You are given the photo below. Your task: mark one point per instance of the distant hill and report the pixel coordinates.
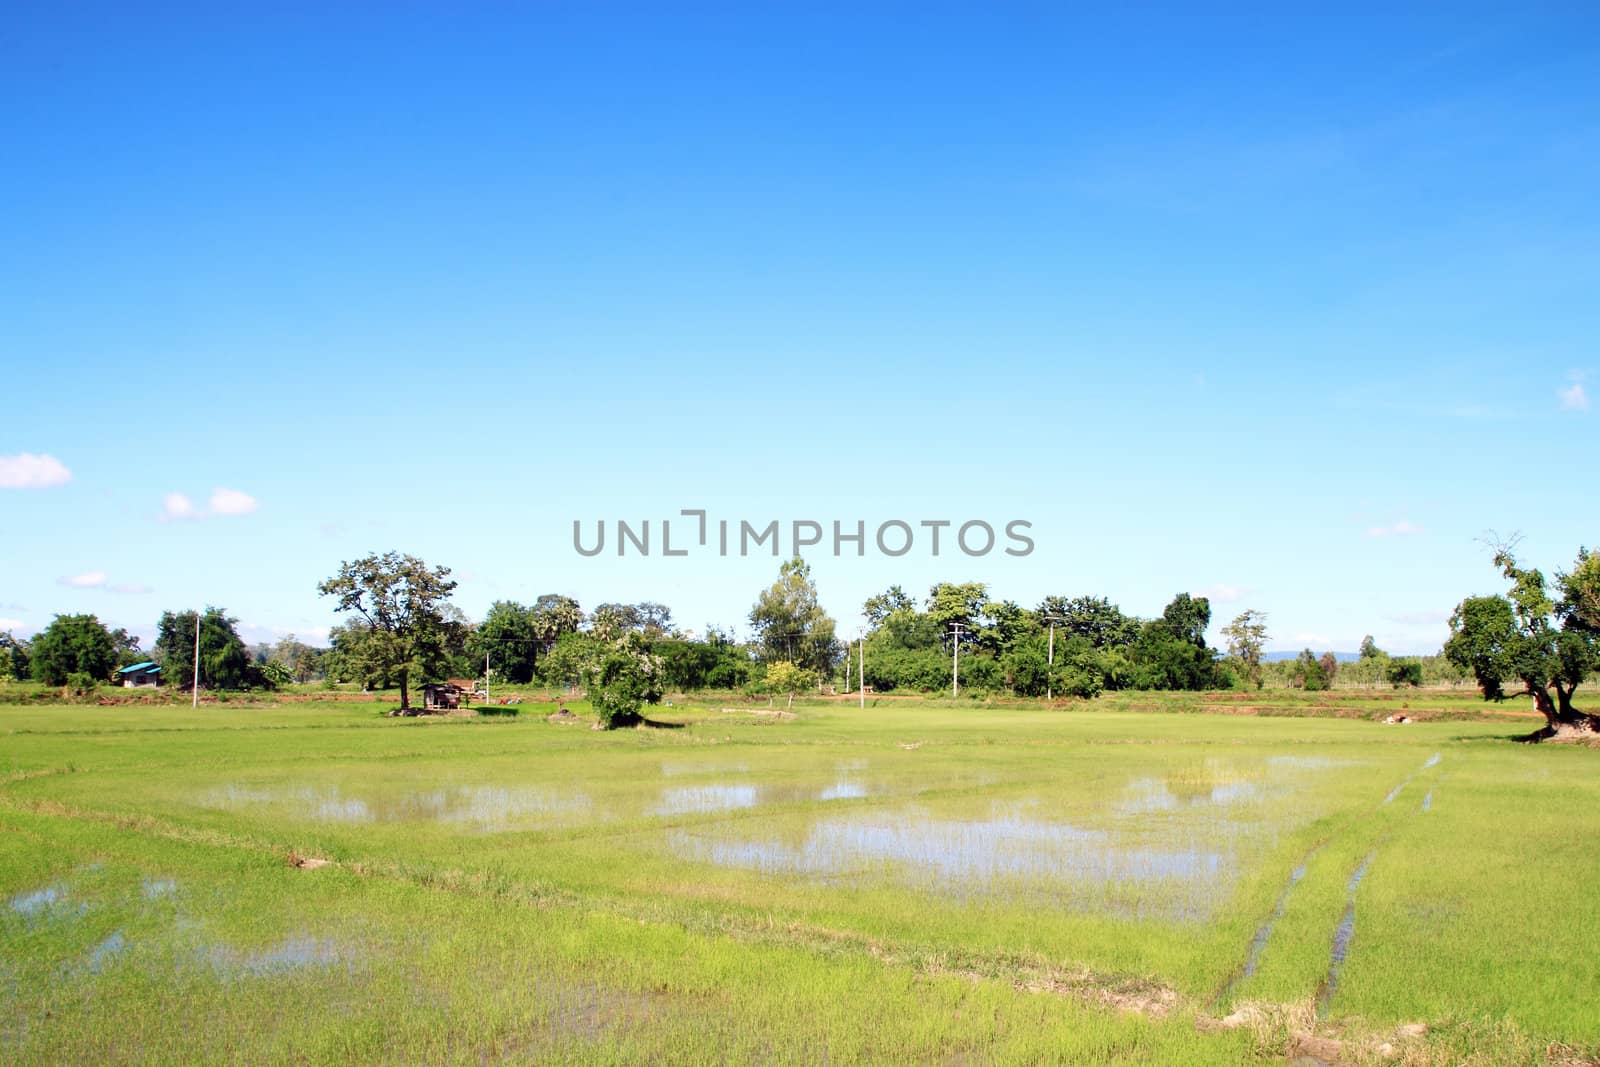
(1342, 657)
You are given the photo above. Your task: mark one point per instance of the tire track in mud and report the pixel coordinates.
(1344, 933)
(1258, 943)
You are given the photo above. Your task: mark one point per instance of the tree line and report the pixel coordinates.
(400, 628)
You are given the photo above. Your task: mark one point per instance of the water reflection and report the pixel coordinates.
(1004, 854)
(486, 808)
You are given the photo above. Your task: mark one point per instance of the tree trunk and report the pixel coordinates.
(1559, 713)
(405, 694)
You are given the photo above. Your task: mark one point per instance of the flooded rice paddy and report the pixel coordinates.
(632, 896)
(1137, 842)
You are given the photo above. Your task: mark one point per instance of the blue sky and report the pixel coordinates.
(1288, 309)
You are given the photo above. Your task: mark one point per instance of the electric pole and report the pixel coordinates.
(955, 662)
(1050, 659)
(195, 696)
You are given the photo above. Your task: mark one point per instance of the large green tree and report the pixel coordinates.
(1549, 640)
(626, 676)
(553, 617)
(506, 637)
(1092, 617)
(880, 607)
(1247, 636)
(72, 644)
(1171, 652)
(789, 622)
(401, 600)
(224, 660)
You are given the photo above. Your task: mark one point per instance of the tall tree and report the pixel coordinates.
(508, 639)
(1247, 636)
(880, 607)
(1171, 652)
(71, 644)
(224, 660)
(402, 601)
(1548, 644)
(554, 616)
(790, 624)
(963, 604)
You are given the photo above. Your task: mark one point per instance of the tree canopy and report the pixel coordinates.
(1547, 640)
(790, 624)
(402, 601)
(1247, 636)
(72, 645)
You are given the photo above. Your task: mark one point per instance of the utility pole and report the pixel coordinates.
(1050, 660)
(195, 701)
(955, 663)
(862, 648)
(486, 676)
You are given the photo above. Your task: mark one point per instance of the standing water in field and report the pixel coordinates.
(1258, 943)
(104, 951)
(289, 955)
(1341, 939)
(487, 808)
(38, 901)
(1005, 855)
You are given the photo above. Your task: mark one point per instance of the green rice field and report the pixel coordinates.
(918, 881)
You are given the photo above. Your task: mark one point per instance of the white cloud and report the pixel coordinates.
(1223, 593)
(231, 502)
(10, 624)
(28, 471)
(1309, 639)
(1403, 528)
(178, 506)
(1574, 397)
(222, 502)
(131, 588)
(86, 580)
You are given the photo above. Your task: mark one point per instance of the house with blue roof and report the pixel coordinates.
(140, 675)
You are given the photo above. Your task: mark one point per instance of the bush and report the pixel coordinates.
(1405, 672)
(627, 678)
(81, 683)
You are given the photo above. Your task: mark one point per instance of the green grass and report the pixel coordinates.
(925, 881)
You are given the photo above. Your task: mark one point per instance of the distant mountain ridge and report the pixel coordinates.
(1275, 657)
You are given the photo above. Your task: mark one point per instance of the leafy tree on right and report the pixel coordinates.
(1549, 640)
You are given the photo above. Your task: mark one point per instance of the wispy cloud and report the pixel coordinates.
(10, 624)
(178, 506)
(1420, 618)
(25, 470)
(1403, 528)
(1573, 397)
(257, 634)
(100, 580)
(223, 502)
